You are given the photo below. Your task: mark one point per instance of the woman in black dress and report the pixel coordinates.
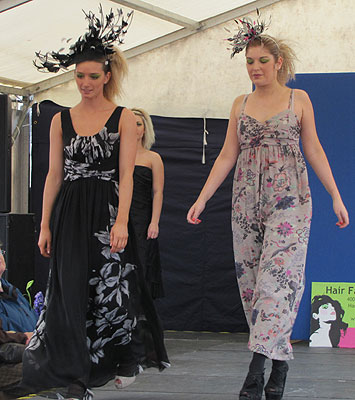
(99, 322)
(147, 201)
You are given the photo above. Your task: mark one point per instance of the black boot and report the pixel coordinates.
(253, 387)
(275, 387)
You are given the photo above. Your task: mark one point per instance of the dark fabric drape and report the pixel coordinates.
(42, 114)
(201, 291)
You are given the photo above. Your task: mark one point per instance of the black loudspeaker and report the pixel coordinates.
(5, 153)
(17, 234)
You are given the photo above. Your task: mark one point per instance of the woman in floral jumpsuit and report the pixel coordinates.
(271, 206)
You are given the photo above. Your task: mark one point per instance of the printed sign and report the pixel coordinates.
(332, 315)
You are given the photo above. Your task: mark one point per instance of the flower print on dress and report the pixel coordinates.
(268, 265)
(252, 130)
(255, 141)
(283, 203)
(125, 332)
(279, 261)
(123, 284)
(104, 238)
(282, 278)
(259, 348)
(305, 199)
(266, 317)
(303, 234)
(239, 270)
(291, 297)
(247, 295)
(92, 148)
(110, 319)
(282, 248)
(95, 350)
(105, 279)
(281, 182)
(38, 334)
(74, 170)
(254, 315)
(264, 199)
(285, 229)
(250, 177)
(240, 175)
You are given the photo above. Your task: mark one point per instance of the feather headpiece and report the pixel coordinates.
(97, 43)
(248, 31)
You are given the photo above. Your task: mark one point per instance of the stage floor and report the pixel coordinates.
(212, 366)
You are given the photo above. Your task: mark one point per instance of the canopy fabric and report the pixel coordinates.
(46, 25)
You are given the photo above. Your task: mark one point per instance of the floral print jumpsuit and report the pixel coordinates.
(271, 216)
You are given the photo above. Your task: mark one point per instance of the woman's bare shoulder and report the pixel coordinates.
(154, 157)
(239, 100)
(237, 104)
(301, 95)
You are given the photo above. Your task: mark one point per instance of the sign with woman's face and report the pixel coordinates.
(333, 315)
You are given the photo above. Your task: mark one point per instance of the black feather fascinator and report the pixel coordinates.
(98, 43)
(248, 31)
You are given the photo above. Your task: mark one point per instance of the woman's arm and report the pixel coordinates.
(53, 183)
(315, 155)
(158, 187)
(128, 148)
(223, 164)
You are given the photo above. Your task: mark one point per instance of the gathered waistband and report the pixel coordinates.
(74, 170)
(268, 142)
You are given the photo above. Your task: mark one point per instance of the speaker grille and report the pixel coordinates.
(17, 234)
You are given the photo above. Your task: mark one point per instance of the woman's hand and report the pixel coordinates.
(45, 242)
(195, 211)
(341, 213)
(118, 237)
(153, 231)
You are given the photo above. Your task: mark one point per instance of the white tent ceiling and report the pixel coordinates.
(33, 25)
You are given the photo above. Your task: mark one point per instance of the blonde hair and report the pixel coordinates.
(149, 136)
(118, 68)
(278, 48)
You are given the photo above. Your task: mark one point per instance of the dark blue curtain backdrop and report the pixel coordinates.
(331, 252)
(198, 263)
(198, 266)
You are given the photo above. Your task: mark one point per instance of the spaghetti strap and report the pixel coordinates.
(292, 100)
(244, 103)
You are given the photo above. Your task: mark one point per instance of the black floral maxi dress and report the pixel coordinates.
(99, 318)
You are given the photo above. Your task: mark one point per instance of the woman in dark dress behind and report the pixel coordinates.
(147, 201)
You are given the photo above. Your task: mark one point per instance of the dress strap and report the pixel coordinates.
(244, 103)
(292, 100)
(67, 125)
(118, 112)
(114, 120)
